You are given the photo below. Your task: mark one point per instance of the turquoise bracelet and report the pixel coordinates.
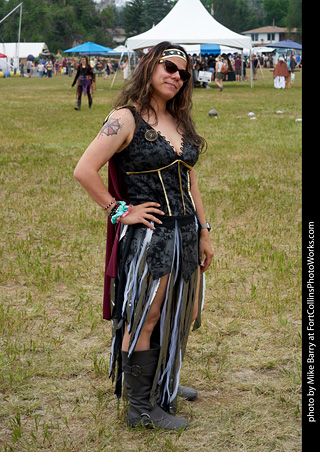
(120, 211)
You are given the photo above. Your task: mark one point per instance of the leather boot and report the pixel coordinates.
(187, 393)
(139, 373)
(79, 105)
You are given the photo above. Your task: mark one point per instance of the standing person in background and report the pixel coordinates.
(56, 67)
(49, 68)
(64, 66)
(255, 64)
(29, 68)
(69, 67)
(280, 73)
(84, 77)
(21, 69)
(219, 75)
(158, 241)
(237, 68)
(40, 69)
(107, 68)
(292, 66)
(211, 66)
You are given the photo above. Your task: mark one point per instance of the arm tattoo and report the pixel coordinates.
(111, 127)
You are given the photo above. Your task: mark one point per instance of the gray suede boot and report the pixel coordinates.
(139, 373)
(187, 393)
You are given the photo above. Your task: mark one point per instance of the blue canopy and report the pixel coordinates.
(210, 48)
(287, 44)
(90, 48)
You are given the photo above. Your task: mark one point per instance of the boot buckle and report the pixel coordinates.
(136, 370)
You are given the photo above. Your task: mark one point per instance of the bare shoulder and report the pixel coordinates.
(114, 136)
(120, 121)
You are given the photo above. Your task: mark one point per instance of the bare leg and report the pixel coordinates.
(196, 301)
(143, 342)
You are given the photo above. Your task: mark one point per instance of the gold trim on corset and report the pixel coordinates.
(189, 191)
(158, 170)
(165, 193)
(181, 191)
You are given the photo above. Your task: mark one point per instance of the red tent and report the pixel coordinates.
(2, 55)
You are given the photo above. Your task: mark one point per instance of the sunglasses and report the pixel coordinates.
(172, 68)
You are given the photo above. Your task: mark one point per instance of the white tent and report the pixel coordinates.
(120, 50)
(25, 49)
(262, 49)
(189, 23)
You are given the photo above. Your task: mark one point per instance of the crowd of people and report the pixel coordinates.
(47, 67)
(213, 64)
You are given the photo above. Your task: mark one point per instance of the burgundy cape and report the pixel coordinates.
(118, 189)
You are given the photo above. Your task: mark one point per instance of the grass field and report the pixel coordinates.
(54, 346)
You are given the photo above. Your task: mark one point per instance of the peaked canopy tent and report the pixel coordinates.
(189, 22)
(120, 50)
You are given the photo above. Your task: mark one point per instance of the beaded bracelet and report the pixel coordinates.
(110, 204)
(114, 209)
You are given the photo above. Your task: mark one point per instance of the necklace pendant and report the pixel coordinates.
(151, 135)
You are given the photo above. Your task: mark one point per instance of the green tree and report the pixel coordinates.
(134, 17)
(58, 23)
(155, 11)
(276, 10)
(294, 16)
(237, 15)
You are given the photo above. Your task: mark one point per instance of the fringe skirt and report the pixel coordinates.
(146, 255)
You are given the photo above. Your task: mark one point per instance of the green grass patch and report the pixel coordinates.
(245, 359)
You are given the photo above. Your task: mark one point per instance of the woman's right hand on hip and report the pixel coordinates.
(143, 213)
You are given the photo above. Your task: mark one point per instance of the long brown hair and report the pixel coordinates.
(87, 60)
(138, 89)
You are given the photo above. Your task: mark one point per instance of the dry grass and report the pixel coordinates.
(244, 360)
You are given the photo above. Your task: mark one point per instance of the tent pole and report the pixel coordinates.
(251, 72)
(10, 13)
(261, 70)
(241, 65)
(116, 71)
(16, 64)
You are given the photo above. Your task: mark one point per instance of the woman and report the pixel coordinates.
(219, 75)
(85, 77)
(280, 73)
(155, 290)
